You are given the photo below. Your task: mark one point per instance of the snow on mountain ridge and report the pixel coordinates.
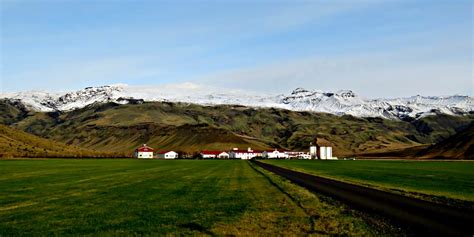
(339, 103)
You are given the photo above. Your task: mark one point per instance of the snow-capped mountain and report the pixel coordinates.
(339, 103)
(47, 102)
(347, 102)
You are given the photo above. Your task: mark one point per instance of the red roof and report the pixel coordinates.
(145, 149)
(211, 152)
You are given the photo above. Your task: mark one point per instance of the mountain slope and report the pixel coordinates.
(11, 111)
(191, 128)
(458, 146)
(15, 143)
(343, 102)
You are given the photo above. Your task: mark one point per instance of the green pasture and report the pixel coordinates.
(157, 197)
(450, 179)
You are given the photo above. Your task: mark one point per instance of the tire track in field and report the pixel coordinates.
(423, 217)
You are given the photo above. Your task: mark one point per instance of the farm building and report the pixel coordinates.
(244, 154)
(214, 154)
(275, 154)
(298, 154)
(144, 152)
(282, 154)
(321, 149)
(305, 156)
(325, 153)
(167, 155)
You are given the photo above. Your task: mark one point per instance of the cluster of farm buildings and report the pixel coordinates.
(315, 152)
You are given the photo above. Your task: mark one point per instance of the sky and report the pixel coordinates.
(376, 48)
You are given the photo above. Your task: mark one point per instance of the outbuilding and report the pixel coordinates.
(167, 155)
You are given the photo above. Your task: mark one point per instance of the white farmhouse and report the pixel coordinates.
(144, 152)
(167, 155)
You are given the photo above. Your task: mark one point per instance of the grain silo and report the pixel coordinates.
(321, 149)
(313, 151)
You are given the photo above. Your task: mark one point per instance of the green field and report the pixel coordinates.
(451, 179)
(142, 197)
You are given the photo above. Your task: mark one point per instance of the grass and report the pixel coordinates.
(143, 197)
(434, 180)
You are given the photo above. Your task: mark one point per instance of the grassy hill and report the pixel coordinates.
(191, 128)
(15, 143)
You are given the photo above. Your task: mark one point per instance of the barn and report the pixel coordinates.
(144, 152)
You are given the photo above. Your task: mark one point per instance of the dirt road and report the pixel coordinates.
(422, 217)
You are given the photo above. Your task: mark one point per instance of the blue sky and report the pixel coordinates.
(376, 48)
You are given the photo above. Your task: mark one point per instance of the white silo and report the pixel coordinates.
(322, 153)
(328, 152)
(313, 152)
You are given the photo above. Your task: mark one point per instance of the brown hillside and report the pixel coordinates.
(186, 138)
(458, 146)
(15, 143)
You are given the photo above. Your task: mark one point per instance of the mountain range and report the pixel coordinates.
(190, 128)
(343, 102)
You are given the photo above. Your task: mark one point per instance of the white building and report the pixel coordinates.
(214, 154)
(298, 155)
(325, 153)
(305, 156)
(244, 154)
(313, 152)
(223, 155)
(144, 152)
(321, 149)
(275, 154)
(167, 155)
